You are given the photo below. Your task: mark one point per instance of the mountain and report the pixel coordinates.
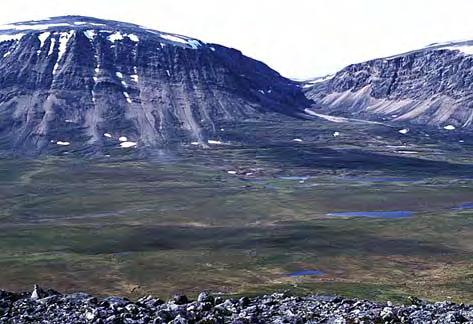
(431, 86)
(84, 84)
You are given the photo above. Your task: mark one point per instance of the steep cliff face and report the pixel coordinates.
(87, 83)
(431, 86)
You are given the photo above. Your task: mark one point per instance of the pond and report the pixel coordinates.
(307, 273)
(375, 214)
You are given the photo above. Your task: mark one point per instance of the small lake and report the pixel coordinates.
(375, 214)
(295, 178)
(467, 205)
(381, 179)
(306, 273)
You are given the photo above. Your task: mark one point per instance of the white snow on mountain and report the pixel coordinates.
(42, 38)
(63, 40)
(9, 37)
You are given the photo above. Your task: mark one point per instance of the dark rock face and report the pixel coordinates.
(82, 83)
(275, 308)
(432, 86)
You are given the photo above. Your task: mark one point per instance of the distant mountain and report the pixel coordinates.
(82, 83)
(431, 86)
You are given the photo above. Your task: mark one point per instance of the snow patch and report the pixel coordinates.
(215, 142)
(128, 144)
(32, 27)
(336, 119)
(404, 131)
(108, 135)
(231, 172)
(193, 43)
(133, 38)
(297, 140)
(336, 134)
(465, 49)
(310, 83)
(449, 127)
(15, 37)
(51, 46)
(119, 75)
(134, 77)
(63, 40)
(173, 38)
(61, 143)
(42, 38)
(127, 96)
(123, 139)
(117, 36)
(90, 34)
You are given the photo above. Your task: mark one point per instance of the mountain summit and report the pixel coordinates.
(85, 84)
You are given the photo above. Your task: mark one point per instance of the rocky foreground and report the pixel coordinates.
(52, 307)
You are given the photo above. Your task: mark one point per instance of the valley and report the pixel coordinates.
(137, 162)
(274, 214)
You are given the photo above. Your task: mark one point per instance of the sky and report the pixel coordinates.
(299, 38)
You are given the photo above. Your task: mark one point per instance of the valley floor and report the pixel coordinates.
(352, 215)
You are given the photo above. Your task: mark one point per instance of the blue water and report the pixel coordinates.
(307, 273)
(467, 205)
(381, 179)
(375, 214)
(304, 178)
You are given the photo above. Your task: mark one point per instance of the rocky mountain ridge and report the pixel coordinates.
(431, 86)
(86, 84)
